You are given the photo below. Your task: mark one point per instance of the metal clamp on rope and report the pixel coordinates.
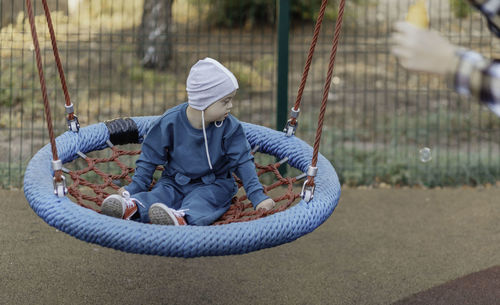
(60, 189)
(73, 124)
(290, 129)
(307, 192)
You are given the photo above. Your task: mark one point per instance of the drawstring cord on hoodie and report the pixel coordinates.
(205, 136)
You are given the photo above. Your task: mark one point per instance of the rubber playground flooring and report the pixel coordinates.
(380, 246)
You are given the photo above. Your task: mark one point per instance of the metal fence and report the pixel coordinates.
(379, 116)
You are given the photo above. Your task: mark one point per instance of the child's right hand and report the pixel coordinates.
(121, 190)
(266, 204)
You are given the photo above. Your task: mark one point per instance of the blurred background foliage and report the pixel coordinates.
(378, 118)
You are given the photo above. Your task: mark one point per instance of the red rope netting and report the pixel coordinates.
(91, 194)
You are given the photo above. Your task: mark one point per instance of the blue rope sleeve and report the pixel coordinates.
(186, 241)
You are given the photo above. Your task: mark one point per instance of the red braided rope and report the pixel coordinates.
(56, 56)
(240, 210)
(43, 86)
(336, 38)
(314, 40)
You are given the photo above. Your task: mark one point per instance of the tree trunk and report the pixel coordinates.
(154, 46)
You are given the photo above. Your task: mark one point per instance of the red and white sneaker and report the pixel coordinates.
(119, 206)
(162, 215)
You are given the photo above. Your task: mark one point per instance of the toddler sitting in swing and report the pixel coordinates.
(200, 144)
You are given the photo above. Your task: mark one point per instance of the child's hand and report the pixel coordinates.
(266, 204)
(120, 191)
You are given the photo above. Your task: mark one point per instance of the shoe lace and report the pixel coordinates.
(180, 213)
(130, 202)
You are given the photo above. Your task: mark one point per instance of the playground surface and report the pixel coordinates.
(380, 246)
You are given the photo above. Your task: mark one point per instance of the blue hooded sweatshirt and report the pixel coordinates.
(174, 143)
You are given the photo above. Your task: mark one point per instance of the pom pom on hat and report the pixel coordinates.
(207, 82)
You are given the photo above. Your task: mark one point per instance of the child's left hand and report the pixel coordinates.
(266, 204)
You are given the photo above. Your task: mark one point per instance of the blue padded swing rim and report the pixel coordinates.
(188, 241)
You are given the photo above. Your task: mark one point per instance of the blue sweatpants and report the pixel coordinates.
(204, 203)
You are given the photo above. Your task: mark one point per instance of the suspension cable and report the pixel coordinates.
(73, 123)
(309, 183)
(59, 181)
(291, 125)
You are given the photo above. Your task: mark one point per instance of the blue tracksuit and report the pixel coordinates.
(187, 181)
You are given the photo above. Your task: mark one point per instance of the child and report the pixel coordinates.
(199, 144)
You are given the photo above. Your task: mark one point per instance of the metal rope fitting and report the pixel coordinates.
(307, 192)
(312, 171)
(82, 155)
(294, 113)
(57, 165)
(290, 129)
(69, 109)
(284, 160)
(60, 189)
(73, 124)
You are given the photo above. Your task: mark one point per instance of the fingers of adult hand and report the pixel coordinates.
(405, 27)
(401, 40)
(410, 35)
(401, 53)
(403, 57)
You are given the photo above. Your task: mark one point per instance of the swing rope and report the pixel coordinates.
(56, 56)
(58, 178)
(189, 241)
(296, 108)
(333, 53)
(308, 187)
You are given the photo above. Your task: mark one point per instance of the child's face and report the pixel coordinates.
(219, 110)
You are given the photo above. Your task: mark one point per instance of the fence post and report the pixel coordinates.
(282, 67)
(282, 73)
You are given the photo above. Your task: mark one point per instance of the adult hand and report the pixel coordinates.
(266, 204)
(423, 50)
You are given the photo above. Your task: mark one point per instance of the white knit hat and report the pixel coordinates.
(207, 82)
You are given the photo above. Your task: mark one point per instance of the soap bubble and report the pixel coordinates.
(425, 154)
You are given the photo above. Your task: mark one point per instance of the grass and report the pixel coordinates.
(371, 138)
(12, 174)
(402, 165)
